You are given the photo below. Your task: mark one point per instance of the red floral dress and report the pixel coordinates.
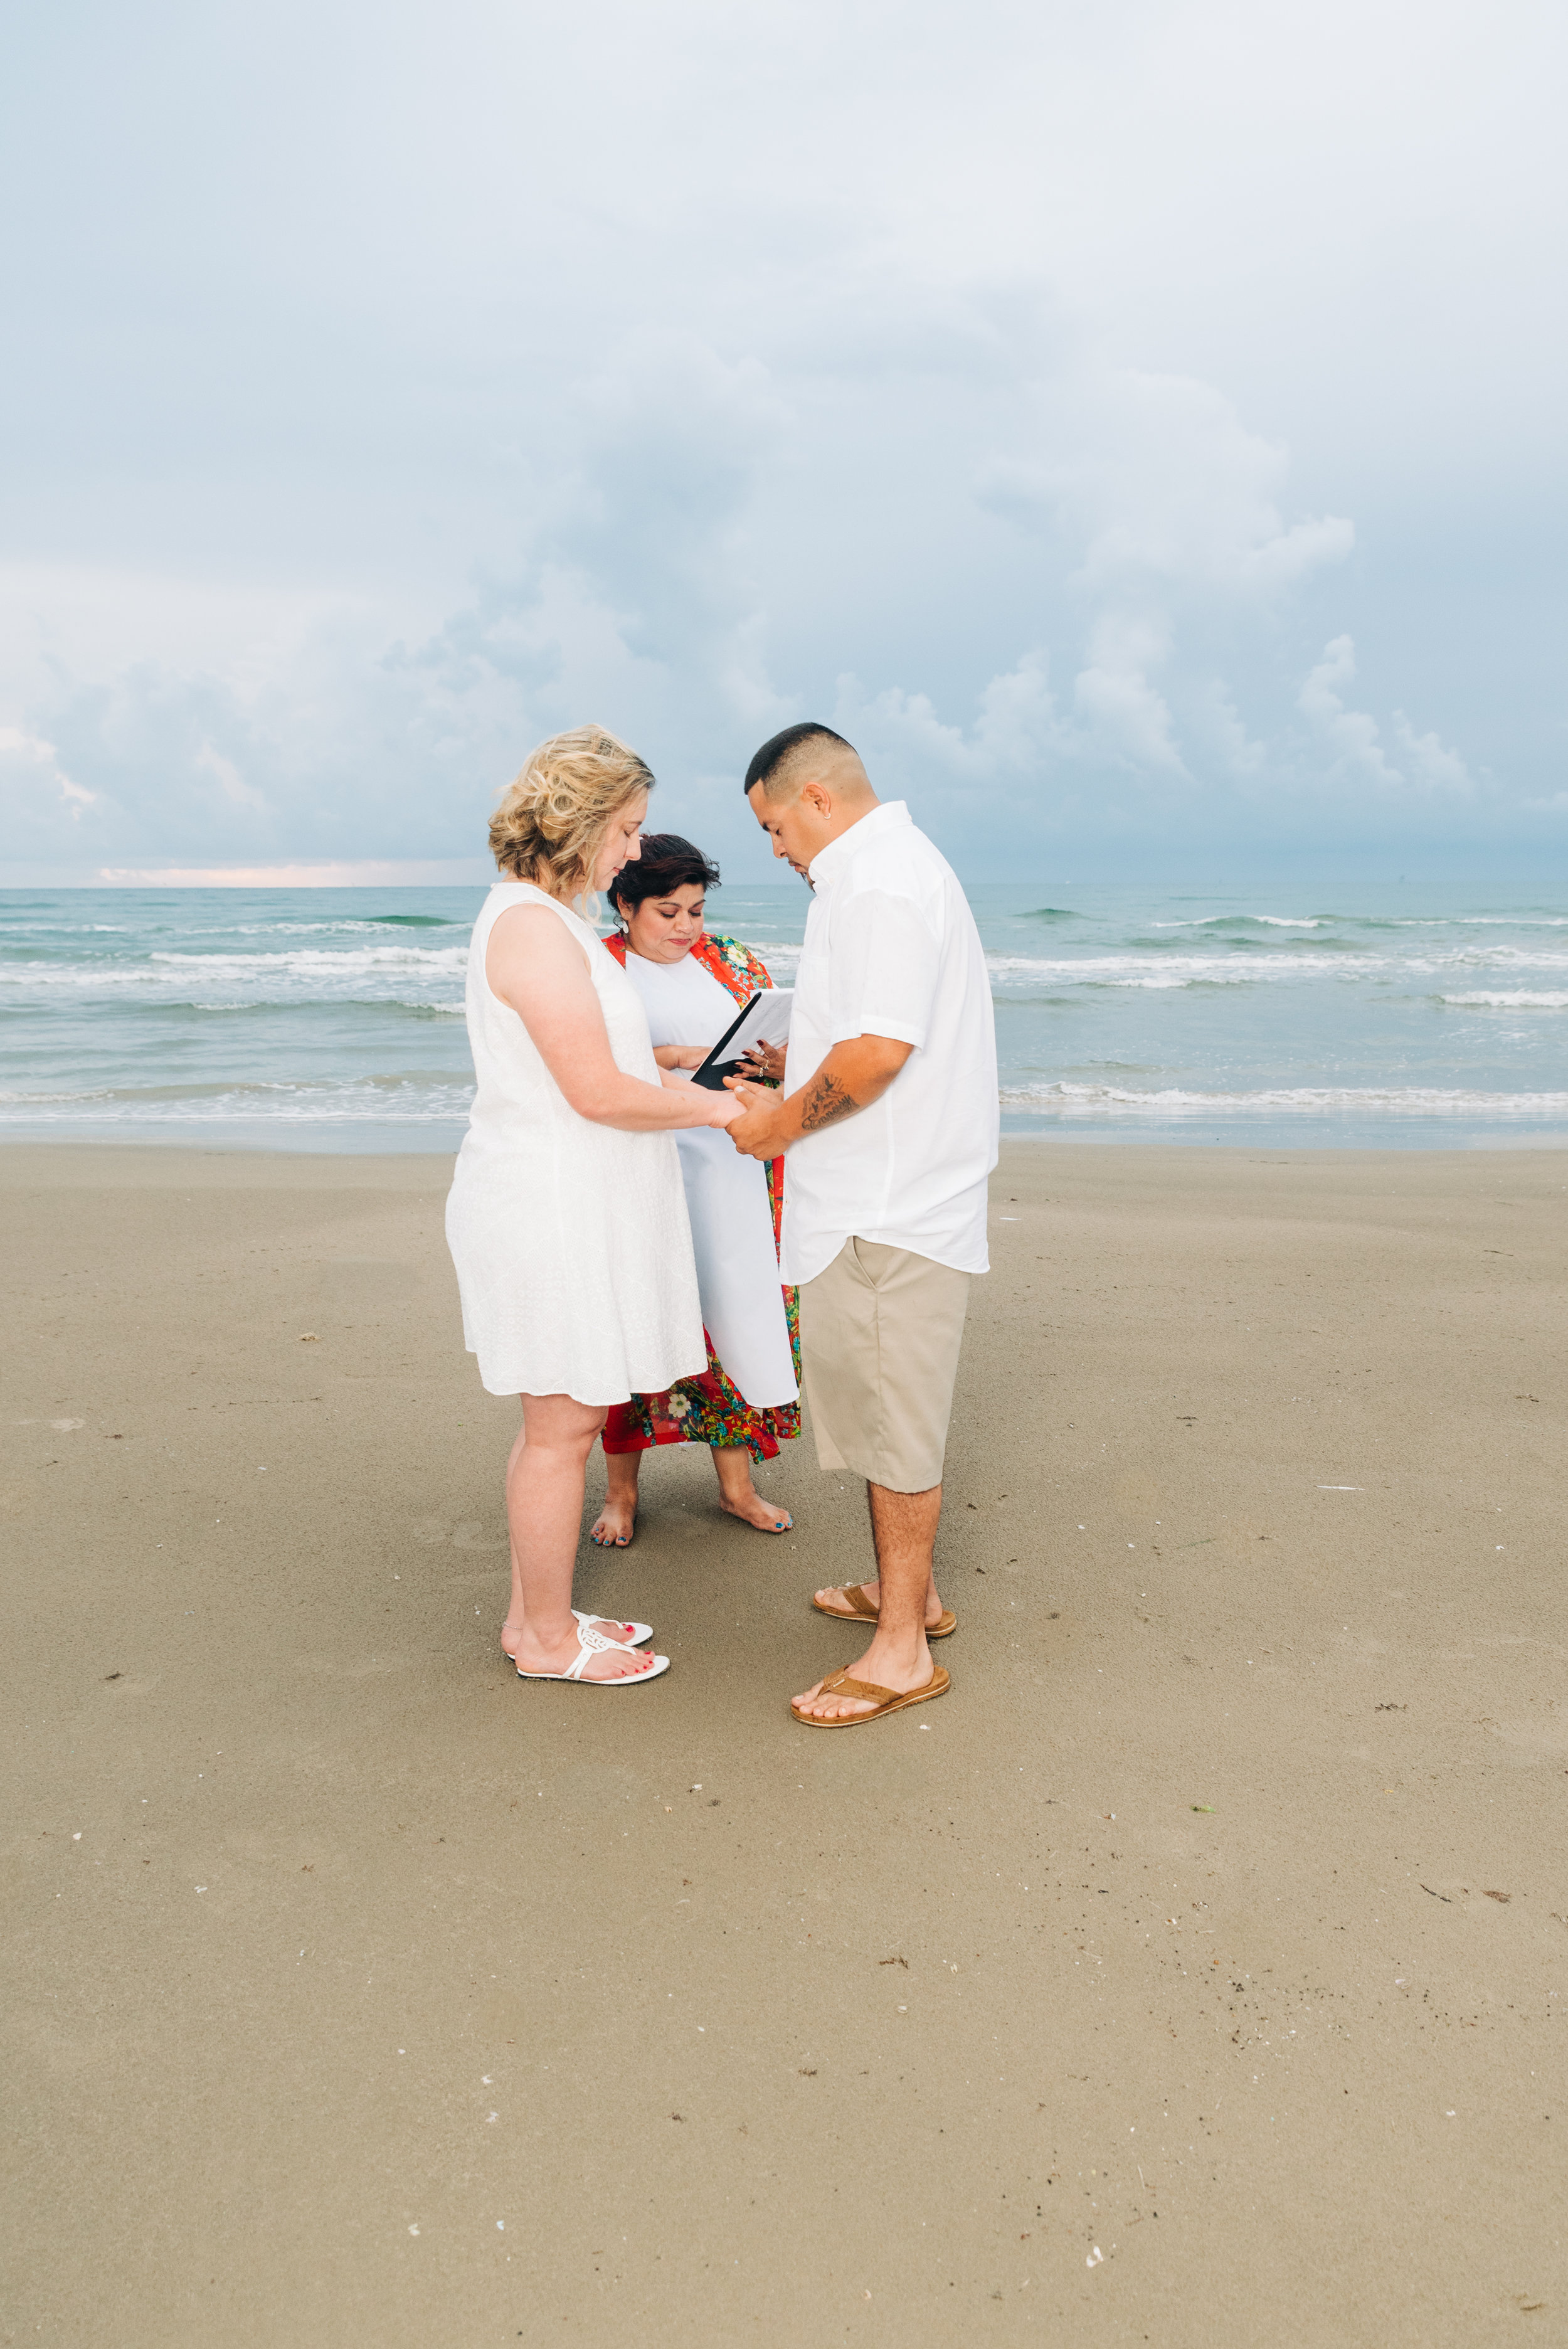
(708, 1409)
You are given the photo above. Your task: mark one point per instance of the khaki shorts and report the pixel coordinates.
(880, 1334)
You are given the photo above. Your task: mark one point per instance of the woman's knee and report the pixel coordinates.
(559, 1421)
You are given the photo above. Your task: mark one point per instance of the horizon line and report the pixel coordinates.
(385, 873)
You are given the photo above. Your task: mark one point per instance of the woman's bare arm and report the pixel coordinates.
(536, 969)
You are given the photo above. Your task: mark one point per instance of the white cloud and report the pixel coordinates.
(210, 761)
(25, 761)
(996, 365)
(1353, 735)
(1220, 732)
(1428, 760)
(1122, 713)
(1018, 729)
(1167, 512)
(1017, 734)
(1164, 485)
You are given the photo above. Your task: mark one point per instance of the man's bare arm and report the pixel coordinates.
(824, 1100)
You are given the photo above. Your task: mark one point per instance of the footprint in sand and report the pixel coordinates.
(1534, 1741)
(470, 1535)
(474, 1536)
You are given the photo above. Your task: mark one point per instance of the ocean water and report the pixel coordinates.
(331, 1020)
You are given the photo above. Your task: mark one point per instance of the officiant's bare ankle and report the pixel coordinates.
(739, 1496)
(612, 1527)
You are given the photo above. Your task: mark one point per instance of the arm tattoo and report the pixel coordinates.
(825, 1103)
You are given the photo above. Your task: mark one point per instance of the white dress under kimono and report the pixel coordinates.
(727, 1198)
(570, 1241)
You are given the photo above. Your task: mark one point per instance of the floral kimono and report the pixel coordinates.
(708, 1409)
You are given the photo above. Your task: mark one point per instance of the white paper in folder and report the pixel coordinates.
(765, 1020)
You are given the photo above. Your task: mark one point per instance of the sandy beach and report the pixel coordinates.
(1193, 1973)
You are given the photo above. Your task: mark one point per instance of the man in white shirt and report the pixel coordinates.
(889, 1115)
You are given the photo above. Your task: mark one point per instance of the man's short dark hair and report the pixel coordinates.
(777, 747)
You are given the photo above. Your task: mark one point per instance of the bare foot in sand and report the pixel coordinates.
(616, 1522)
(739, 1497)
(753, 1510)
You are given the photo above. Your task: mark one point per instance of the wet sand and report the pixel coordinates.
(1193, 1973)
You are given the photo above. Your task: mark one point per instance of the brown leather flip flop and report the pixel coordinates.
(860, 1610)
(881, 1699)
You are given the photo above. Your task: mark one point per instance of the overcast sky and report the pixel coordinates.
(1134, 423)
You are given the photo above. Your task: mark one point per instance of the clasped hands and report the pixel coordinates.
(751, 1111)
(754, 1123)
(856, 1073)
(763, 1126)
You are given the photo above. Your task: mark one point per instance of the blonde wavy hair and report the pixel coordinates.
(549, 824)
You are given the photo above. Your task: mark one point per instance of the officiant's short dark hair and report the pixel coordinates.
(668, 861)
(777, 748)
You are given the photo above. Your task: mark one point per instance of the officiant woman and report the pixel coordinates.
(747, 1400)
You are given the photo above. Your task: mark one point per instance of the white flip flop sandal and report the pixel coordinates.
(592, 1643)
(641, 1632)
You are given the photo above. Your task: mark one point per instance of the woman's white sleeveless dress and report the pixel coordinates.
(571, 1240)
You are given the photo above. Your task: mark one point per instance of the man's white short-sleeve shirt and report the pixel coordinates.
(892, 949)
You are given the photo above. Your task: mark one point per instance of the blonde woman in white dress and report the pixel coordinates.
(567, 1218)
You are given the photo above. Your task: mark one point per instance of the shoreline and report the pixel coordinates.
(335, 1149)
